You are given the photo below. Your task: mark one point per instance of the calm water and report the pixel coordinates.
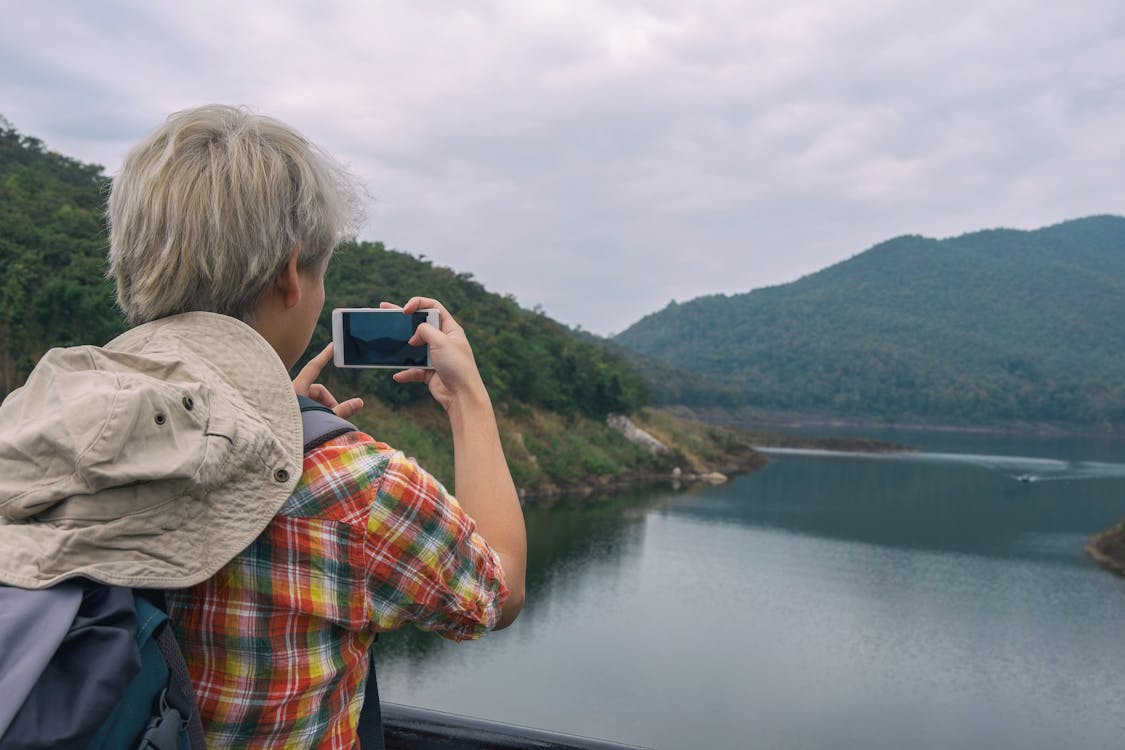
(926, 601)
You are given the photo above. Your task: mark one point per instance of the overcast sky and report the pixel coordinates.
(602, 158)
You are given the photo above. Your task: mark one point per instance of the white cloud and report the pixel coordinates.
(601, 158)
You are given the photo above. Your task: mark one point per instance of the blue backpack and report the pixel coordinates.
(88, 666)
(85, 665)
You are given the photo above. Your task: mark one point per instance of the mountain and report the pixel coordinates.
(997, 327)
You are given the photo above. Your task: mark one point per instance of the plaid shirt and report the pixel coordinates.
(276, 642)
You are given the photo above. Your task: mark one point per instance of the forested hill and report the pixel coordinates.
(524, 356)
(990, 328)
(53, 293)
(52, 255)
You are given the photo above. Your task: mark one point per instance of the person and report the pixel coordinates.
(177, 459)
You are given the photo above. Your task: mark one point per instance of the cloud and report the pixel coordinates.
(601, 158)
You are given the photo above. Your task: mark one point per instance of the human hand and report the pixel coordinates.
(454, 378)
(304, 384)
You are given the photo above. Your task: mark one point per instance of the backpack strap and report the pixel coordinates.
(320, 425)
(175, 713)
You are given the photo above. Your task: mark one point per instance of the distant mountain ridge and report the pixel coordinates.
(992, 327)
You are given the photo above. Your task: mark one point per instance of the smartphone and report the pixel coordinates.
(373, 337)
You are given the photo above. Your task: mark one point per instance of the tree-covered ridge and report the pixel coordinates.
(52, 250)
(524, 356)
(999, 326)
(52, 255)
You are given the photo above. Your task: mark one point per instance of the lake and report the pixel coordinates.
(940, 599)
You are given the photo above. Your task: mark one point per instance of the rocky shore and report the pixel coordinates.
(548, 494)
(682, 452)
(1108, 549)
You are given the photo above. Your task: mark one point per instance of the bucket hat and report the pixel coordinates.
(150, 462)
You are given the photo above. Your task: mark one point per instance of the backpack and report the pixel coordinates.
(134, 690)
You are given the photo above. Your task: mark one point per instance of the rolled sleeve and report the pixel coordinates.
(426, 564)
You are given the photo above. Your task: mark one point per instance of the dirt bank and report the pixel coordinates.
(1108, 549)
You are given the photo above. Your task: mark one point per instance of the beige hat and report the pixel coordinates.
(151, 462)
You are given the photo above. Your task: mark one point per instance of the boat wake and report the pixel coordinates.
(1019, 468)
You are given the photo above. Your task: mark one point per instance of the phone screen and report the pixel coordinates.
(379, 339)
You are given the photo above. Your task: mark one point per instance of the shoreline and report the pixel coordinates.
(1107, 549)
(732, 451)
(674, 479)
(752, 421)
(550, 495)
(836, 444)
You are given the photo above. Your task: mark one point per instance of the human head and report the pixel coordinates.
(207, 210)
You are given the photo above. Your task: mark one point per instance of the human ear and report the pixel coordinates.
(288, 283)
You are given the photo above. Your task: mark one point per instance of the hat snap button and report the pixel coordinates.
(281, 475)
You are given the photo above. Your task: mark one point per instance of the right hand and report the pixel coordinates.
(454, 378)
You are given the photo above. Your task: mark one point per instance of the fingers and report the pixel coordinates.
(426, 334)
(448, 322)
(323, 396)
(349, 408)
(320, 394)
(416, 303)
(345, 409)
(304, 384)
(310, 372)
(413, 375)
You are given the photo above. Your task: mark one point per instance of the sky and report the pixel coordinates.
(600, 159)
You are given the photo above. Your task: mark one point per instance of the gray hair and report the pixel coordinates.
(207, 210)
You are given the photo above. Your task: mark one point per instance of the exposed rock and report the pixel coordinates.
(636, 435)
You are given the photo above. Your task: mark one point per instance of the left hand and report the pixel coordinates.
(304, 384)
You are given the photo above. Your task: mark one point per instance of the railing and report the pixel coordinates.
(411, 728)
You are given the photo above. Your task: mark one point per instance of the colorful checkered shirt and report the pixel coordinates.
(276, 641)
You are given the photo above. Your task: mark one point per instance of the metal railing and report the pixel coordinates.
(412, 728)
